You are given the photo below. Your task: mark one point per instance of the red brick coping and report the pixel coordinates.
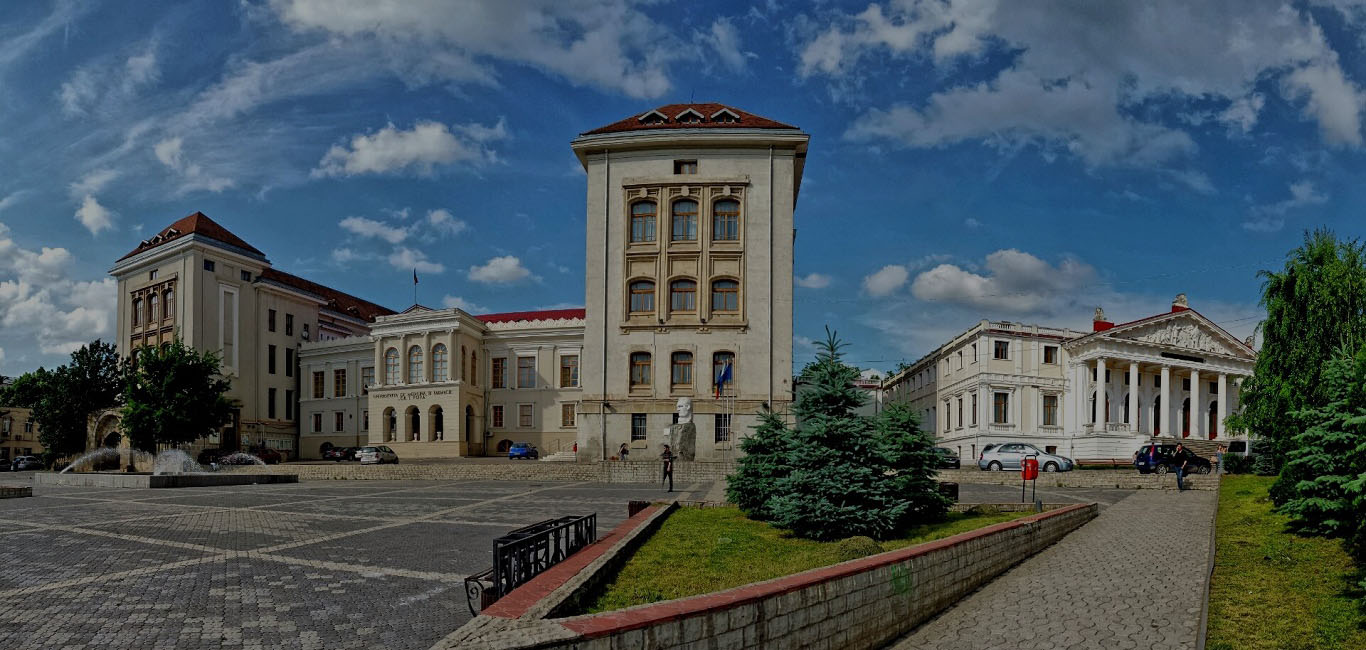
(523, 598)
(607, 623)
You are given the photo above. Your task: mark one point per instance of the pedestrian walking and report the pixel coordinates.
(624, 452)
(1219, 461)
(668, 458)
(1179, 464)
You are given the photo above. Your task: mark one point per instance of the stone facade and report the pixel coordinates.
(334, 404)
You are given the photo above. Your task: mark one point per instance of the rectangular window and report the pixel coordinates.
(497, 416)
(1126, 379)
(566, 415)
(1001, 408)
(317, 423)
(569, 371)
(500, 371)
(723, 427)
(1214, 388)
(683, 296)
(289, 362)
(1002, 350)
(526, 372)
(338, 419)
(289, 404)
(339, 383)
(317, 385)
(270, 321)
(270, 359)
(246, 276)
(685, 220)
(960, 413)
(725, 221)
(365, 420)
(524, 416)
(685, 166)
(640, 369)
(1050, 410)
(289, 324)
(1157, 381)
(208, 266)
(682, 369)
(643, 221)
(1185, 383)
(974, 353)
(367, 377)
(642, 296)
(974, 409)
(270, 403)
(1050, 354)
(152, 275)
(638, 426)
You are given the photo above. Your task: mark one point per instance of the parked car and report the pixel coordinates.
(523, 450)
(1166, 460)
(340, 453)
(1011, 456)
(25, 463)
(376, 455)
(948, 458)
(267, 455)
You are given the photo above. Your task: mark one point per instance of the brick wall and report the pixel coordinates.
(862, 604)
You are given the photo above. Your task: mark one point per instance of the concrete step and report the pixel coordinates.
(561, 457)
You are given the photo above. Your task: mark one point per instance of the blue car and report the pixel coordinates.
(523, 450)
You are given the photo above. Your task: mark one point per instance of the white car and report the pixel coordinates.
(376, 455)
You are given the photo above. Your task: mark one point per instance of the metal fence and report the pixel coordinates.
(527, 552)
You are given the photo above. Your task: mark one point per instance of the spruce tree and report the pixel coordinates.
(912, 462)
(755, 480)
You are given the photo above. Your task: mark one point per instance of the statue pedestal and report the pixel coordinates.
(682, 438)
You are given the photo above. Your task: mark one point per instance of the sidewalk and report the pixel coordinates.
(1133, 577)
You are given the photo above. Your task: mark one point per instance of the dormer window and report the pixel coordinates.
(689, 116)
(725, 116)
(653, 117)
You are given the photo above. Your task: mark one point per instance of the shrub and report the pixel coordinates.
(1239, 464)
(853, 548)
(984, 509)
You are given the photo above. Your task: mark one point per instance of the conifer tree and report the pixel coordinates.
(909, 453)
(755, 480)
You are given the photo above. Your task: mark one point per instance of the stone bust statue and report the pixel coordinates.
(684, 410)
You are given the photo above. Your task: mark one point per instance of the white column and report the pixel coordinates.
(1133, 397)
(1195, 403)
(982, 407)
(1223, 406)
(1165, 406)
(1069, 399)
(1102, 413)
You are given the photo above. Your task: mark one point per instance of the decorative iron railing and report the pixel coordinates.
(527, 552)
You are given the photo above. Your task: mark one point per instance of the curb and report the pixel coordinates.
(1202, 632)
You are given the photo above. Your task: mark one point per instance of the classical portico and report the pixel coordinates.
(1174, 375)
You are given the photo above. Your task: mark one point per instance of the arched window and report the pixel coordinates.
(640, 368)
(170, 304)
(137, 312)
(462, 363)
(414, 364)
(725, 295)
(474, 368)
(683, 296)
(725, 220)
(643, 221)
(642, 297)
(153, 308)
(440, 363)
(391, 366)
(685, 220)
(681, 369)
(722, 370)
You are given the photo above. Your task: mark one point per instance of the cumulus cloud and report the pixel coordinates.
(723, 39)
(500, 270)
(886, 280)
(444, 223)
(463, 305)
(1014, 281)
(408, 258)
(813, 281)
(93, 216)
(170, 152)
(42, 306)
(373, 229)
(421, 149)
(1086, 81)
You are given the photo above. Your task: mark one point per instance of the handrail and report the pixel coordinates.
(527, 552)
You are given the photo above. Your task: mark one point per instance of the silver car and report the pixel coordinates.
(26, 463)
(376, 455)
(1012, 454)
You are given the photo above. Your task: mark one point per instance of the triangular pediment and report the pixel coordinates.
(1185, 331)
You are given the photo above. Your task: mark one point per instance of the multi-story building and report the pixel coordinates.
(689, 272)
(1007, 382)
(198, 282)
(18, 434)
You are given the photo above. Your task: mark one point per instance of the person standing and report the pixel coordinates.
(1219, 461)
(623, 452)
(1179, 464)
(668, 458)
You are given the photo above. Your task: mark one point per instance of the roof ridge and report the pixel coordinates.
(666, 117)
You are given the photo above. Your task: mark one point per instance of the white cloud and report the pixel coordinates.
(1015, 281)
(972, 223)
(423, 148)
(1243, 112)
(462, 304)
(374, 229)
(11, 200)
(93, 182)
(93, 216)
(170, 152)
(1271, 217)
(345, 255)
(442, 221)
(886, 280)
(500, 270)
(723, 39)
(813, 281)
(43, 307)
(408, 258)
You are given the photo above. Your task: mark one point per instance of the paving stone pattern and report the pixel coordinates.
(378, 564)
(1131, 578)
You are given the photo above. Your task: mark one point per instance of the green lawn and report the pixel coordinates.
(1273, 589)
(701, 550)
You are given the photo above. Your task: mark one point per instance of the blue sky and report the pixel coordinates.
(1005, 160)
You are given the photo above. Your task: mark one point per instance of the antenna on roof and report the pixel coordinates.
(690, 95)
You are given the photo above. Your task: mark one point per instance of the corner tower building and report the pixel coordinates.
(689, 273)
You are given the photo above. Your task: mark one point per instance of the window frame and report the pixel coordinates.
(1050, 355)
(1000, 350)
(526, 416)
(441, 363)
(725, 223)
(339, 382)
(498, 368)
(721, 426)
(685, 167)
(569, 363)
(675, 292)
(728, 294)
(521, 385)
(636, 288)
(568, 415)
(415, 374)
(1050, 413)
(681, 361)
(1000, 407)
(318, 384)
(640, 427)
(641, 365)
(392, 367)
(688, 221)
(648, 223)
(497, 417)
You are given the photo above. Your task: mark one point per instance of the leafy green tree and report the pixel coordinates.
(912, 462)
(755, 481)
(173, 395)
(1314, 304)
(62, 400)
(1324, 458)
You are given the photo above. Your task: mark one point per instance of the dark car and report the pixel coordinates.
(340, 454)
(268, 456)
(1166, 460)
(948, 458)
(523, 450)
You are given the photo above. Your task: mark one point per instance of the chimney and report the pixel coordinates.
(1179, 303)
(1099, 324)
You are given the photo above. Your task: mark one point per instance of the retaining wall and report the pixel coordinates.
(862, 604)
(600, 472)
(1125, 479)
(195, 479)
(15, 491)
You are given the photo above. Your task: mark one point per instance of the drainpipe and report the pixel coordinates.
(606, 250)
(770, 277)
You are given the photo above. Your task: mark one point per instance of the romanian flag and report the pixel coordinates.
(721, 379)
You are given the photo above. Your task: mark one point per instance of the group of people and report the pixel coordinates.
(1180, 460)
(667, 457)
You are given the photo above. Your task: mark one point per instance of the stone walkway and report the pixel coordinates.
(1131, 578)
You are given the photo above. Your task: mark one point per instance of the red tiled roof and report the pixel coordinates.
(544, 314)
(336, 300)
(198, 224)
(672, 111)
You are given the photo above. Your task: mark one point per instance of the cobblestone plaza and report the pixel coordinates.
(311, 565)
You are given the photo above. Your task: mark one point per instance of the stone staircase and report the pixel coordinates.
(567, 456)
(1204, 448)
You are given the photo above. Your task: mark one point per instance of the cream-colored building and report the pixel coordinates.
(689, 269)
(336, 375)
(998, 382)
(18, 434)
(199, 282)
